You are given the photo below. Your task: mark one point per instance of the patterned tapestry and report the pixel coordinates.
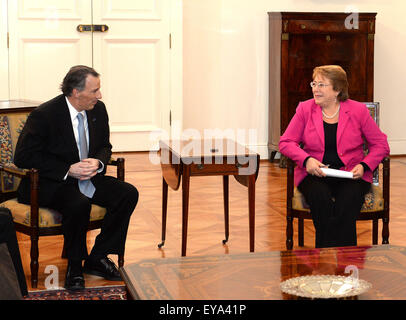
(10, 128)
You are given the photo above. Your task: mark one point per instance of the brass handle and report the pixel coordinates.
(84, 27)
(100, 28)
(328, 38)
(92, 28)
(303, 26)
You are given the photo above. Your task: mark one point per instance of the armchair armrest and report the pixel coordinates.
(33, 175)
(11, 170)
(119, 163)
(385, 184)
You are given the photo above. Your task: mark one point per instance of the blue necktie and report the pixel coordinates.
(85, 186)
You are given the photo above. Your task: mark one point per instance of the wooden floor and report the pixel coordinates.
(206, 224)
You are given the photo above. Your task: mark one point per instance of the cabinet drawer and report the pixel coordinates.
(322, 26)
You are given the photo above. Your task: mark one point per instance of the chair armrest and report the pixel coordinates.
(386, 182)
(33, 175)
(14, 171)
(119, 163)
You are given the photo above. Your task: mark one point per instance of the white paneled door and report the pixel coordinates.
(133, 57)
(44, 44)
(126, 41)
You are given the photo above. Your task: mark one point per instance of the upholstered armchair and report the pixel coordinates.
(375, 207)
(31, 219)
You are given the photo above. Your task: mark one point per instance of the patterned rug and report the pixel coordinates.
(93, 293)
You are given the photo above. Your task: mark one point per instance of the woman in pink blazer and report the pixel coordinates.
(331, 129)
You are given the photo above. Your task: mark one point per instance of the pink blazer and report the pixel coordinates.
(354, 124)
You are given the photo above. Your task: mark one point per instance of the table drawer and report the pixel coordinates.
(213, 169)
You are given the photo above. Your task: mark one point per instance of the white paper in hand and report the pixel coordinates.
(337, 173)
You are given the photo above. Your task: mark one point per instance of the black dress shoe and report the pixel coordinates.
(74, 280)
(103, 267)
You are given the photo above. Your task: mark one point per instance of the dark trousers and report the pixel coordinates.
(118, 197)
(8, 236)
(334, 204)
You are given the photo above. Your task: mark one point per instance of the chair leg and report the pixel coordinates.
(375, 231)
(226, 209)
(120, 260)
(289, 233)
(385, 231)
(164, 211)
(34, 261)
(300, 233)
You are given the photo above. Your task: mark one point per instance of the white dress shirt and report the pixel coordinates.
(75, 123)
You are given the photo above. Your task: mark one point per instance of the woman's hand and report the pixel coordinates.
(358, 171)
(313, 167)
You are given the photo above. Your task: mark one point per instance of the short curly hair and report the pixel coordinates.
(338, 78)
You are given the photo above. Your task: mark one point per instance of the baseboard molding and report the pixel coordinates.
(397, 147)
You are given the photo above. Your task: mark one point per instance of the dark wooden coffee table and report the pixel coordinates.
(256, 276)
(182, 159)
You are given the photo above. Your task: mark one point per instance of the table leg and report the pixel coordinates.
(185, 206)
(226, 211)
(164, 210)
(251, 201)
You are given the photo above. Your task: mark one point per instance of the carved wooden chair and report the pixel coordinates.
(31, 219)
(375, 207)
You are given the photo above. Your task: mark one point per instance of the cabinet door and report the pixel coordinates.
(307, 51)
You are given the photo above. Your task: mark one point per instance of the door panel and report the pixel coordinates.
(44, 44)
(133, 58)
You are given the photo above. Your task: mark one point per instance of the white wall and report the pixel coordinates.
(225, 55)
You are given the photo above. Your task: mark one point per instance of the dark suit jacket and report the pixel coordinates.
(47, 143)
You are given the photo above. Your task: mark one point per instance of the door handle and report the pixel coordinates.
(100, 27)
(84, 27)
(92, 28)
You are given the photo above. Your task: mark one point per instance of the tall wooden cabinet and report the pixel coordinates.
(300, 41)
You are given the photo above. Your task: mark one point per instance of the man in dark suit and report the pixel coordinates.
(67, 140)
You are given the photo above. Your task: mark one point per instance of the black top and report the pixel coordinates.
(330, 146)
(331, 157)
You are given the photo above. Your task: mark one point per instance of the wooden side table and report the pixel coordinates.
(224, 157)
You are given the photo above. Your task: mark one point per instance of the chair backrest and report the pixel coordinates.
(12, 120)
(373, 108)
